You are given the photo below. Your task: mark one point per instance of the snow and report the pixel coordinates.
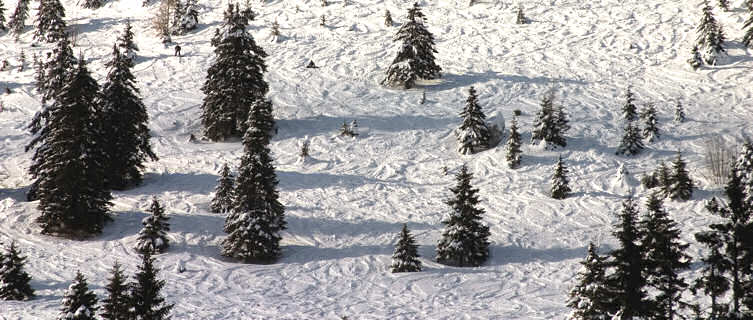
(344, 208)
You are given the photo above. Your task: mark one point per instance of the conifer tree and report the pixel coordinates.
(629, 110)
(223, 193)
(125, 123)
(695, 60)
(14, 281)
(744, 168)
(521, 18)
(189, 21)
(631, 141)
(3, 26)
(178, 10)
(681, 186)
(712, 282)
(56, 71)
(465, 239)
(146, 288)
(679, 112)
(79, 303)
(650, 123)
(473, 134)
(69, 161)
(589, 299)
(513, 145)
(710, 38)
(415, 58)
(724, 4)
(117, 304)
(92, 4)
(405, 257)
(550, 123)
(153, 236)
(126, 46)
(559, 183)
(664, 179)
(388, 18)
(50, 24)
(235, 80)
(18, 18)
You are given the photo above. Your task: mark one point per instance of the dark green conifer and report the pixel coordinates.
(51, 25)
(79, 303)
(405, 257)
(559, 183)
(117, 305)
(631, 143)
(681, 186)
(153, 236)
(18, 18)
(589, 299)
(146, 288)
(415, 59)
(14, 281)
(473, 134)
(650, 123)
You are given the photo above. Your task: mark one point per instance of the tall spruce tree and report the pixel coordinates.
(744, 168)
(664, 179)
(681, 186)
(550, 123)
(405, 257)
(631, 143)
(473, 135)
(415, 58)
(3, 26)
(695, 61)
(465, 239)
(50, 24)
(17, 20)
(190, 18)
(712, 281)
(234, 81)
(117, 304)
(710, 40)
(513, 145)
(629, 110)
(79, 303)
(223, 193)
(125, 124)
(650, 123)
(92, 4)
(589, 299)
(56, 71)
(126, 46)
(724, 4)
(14, 281)
(559, 188)
(153, 236)
(69, 160)
(146, 288)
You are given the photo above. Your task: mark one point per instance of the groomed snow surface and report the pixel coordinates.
(345, 207)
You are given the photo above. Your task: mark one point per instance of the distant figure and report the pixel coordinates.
(311, 65)
(177, 50)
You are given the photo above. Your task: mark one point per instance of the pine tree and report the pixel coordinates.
(521, 18)
(589, 299)
(56, 71)
(629, 110)
(682, 185)
(92, 4)
(744, 168)
(712, 282)
(126, 46)
(18, 18)
(50, 24)
(559, 183)
(710, 38)
(405, 257)
(695, 60)
(664, 179)
(3, 27)
(178, 10)
(275, 29)
(650, 127)
(473, 134)
(748, 26)
(679, 112)
(415, 58)
(223, 193)
(513, 145)
(69, 161)
(189, 21)
(388, 18)
(148, 302)
(79, 303)
(550, 124)
(117, 305)
(665, 258)
(234, 81)
(125, 123)
(14, 281)
(724, 4)
(631, 141)
(465, 239)
(153, 236)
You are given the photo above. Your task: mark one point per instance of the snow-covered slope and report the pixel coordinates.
(346, 207)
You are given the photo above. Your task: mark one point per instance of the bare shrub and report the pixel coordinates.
(719, 156)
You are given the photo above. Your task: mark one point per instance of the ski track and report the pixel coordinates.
(346, 206)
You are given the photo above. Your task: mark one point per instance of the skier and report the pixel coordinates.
(177, 50)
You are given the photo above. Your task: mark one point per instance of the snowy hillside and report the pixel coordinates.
(345, 208)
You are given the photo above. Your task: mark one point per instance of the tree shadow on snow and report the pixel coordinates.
(451, 81)
(324, 125)
(198, 183)
(291, 181)
(327, 227)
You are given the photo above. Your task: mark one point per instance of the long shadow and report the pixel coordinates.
(514, 254)
(325, 125)
(291, 181)
(201, 183)
(326, 226)
(451, 81)
(306, 254)
(17, 194)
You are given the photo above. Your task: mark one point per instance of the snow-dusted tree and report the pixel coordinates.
(415, 58)
(473, 134)
(14, 281)
(550, 124)
(21, 60)
(388, 18)
(631, 143)
(695, 61)
(664, 257)
(679, 112)
(744, 168)
(147, 300)
(305, 152)
(117, 304)
(190, 18)
(275, 29)
(664, 179)
(712, 281)
(79, 303)
(465, 239)
(589, 299)
(629, 110)
(223, 193)
(153, 236)
(710, 38)
(347, 130)
(92, 4)
(724, 4)
(50, 24)
(748, 26)
(521, 18)
(3, 26)
(559, 182)
(681, 185)
(178, 9)
(56, 71)
(650, 123)
(18, 18)
(126, 46)
(513, 145)
(405, 257)
(234, 81)
(69, 162)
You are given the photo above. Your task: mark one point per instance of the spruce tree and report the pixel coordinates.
(744, 168)
(695, 60)
(18, 18)
(79, 303)
(189, 21)
(513, 145)
(69, 161)
(405, 257)
(550, 123)
(713, 282)
(473, 135)
(589, 299)
(465, 239)
(681, 186)
(178, 10)
(388, 18)
(631, 141)
(559, 182)
(14, 281)
(234, 82)
(748, 27)
(679, 112)
(125, 124)
(223, 193)
(56, 72)
(50, 24)
(415, 58)
(650, 123)
(3, 26)
(126, 46)
(664, 179)
(117, 304)
(629, 110)
(92, 4)
(153, 236)
(521, 18)
(147, 299)
(710, 38)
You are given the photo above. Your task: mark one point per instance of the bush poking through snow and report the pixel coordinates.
(148, 302)
(153, 236)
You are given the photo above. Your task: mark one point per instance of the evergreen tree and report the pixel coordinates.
(92, 4)
(79, 303)
(650, 127)
(629, 110)
(679, 112)
(664, 179)
(695, 59)
(521, 18)
(664, 257)
(513, 145)
(748, 27)
(415, 58)
(126, 46)
(710, 38)
(153, 236)
(724, 4)
(473, 134)
(465, 239)
(744, 168)
(69, 161)
(50, 24)
(189, 21)
(117, 305)
(18, 18)
(56, 71)
(559, 183)
(234, 81)
(631, 141)
(681, 186)
(712, 281)
(3, 27)
(148, 302)
(223, 193)
(14, 281)
(590, 296)
(550, 123)
(178, 11)
(125, 124)
(405, 257)
(388, 18)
